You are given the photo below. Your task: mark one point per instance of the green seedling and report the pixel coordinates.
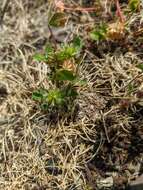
(64, 81)
(99, 33)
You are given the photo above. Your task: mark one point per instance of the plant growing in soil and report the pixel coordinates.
(99, 33)
(134, 5)
(63, 75)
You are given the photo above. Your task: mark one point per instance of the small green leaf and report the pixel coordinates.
(39, 95)
(65, 75)
(49, 52)
(69, 51)
(58, 20)
(130, 88)
(133, 5)
(55, 97)
(40, 57)
(77, 43)
(47, 56)
(66, 53)
(44, 106)
(80, 82)
(99, 34)
(71, 92)
(49, 49)
(140, 66)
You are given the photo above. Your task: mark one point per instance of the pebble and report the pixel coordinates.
(137, 184)
(105, 183)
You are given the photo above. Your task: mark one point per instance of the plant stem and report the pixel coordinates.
(52, 36)
(119, 12)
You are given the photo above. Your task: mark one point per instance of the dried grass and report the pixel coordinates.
(36, 153)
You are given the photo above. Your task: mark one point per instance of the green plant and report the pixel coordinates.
(140, 66)
(64, 80)
(58, 19)
(134, 4)
(99, 33)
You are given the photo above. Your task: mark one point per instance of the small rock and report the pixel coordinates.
(105, 183)
(137, 184)
(120, 181)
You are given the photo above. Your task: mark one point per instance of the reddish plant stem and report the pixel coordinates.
(59, 4)
(119, 12)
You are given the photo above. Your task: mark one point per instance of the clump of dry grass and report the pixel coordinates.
(105, 139)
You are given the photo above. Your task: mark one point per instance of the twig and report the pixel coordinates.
(97, 150)
(60, 5)
(105, 128)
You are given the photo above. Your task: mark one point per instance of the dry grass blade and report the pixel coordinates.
(101, 142)
(3, 10)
